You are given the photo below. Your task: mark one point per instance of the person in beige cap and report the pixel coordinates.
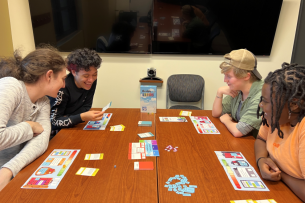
(238, 110)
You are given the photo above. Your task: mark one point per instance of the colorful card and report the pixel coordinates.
(52, 170)
(144, 165)
(99, 125)
(83, 171)
(151, 147)
(148, 98)
(254, 201)
(203, 125)
(240, 173)
(94, 156)
(145, 135)
(136, 151)
(172, 119)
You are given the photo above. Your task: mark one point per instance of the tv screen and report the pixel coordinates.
(114, 26)
(214, 26)
(156, 26)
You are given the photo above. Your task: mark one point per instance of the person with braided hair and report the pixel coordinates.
(25, 123)
(73, 102)
(280, 145)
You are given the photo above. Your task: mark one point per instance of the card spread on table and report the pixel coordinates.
(240, 173)
(136, 151)
(87, 171)
(144, 165)
(107, 106)
(99, 125)
(94, 156)
(203, 125)
(50, 173)
(172, 119)
(185, 113)
(254, 201)
(144, 135)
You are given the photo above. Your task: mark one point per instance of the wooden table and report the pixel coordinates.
(120, 184)
(197, 160)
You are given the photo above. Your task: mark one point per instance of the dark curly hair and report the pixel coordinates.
(288, 86)
(83, 59)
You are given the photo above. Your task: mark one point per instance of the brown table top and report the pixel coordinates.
(197, 160)
(120, 184)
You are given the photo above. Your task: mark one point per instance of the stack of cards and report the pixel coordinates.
(145, 123)
(117, 128)
(144, 135)
(144, 165)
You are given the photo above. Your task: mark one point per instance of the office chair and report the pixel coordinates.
(185, 88)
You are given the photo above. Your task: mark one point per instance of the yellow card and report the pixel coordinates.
(87, 171)
(94, 156)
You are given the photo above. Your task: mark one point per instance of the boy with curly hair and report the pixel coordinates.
(73, 102)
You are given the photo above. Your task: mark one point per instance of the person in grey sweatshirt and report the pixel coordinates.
(24, 108)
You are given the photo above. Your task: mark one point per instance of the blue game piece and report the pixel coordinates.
(165, 185)
(168, 182)
(186, 194)
(170, 189)
(194, 186)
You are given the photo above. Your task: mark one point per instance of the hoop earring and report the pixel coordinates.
(289, 115)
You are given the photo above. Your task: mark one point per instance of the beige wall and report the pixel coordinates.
(6, 43)
(119, 75)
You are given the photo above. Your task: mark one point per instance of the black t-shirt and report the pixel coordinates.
(71, 101)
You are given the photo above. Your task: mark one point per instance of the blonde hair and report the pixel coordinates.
(239, 73)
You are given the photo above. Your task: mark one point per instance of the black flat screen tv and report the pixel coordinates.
(156, 26)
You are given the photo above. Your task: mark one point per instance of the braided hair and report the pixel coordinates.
(288, 86)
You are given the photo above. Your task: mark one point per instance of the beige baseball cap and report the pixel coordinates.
(243, 59)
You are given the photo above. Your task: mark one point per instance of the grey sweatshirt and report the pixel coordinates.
(18, 147)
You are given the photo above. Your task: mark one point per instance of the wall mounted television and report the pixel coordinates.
(212, 27)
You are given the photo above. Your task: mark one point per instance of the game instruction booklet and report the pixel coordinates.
(241, 174)
(203, 125)
(172, 119)
(52, 170)
(99, 125)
